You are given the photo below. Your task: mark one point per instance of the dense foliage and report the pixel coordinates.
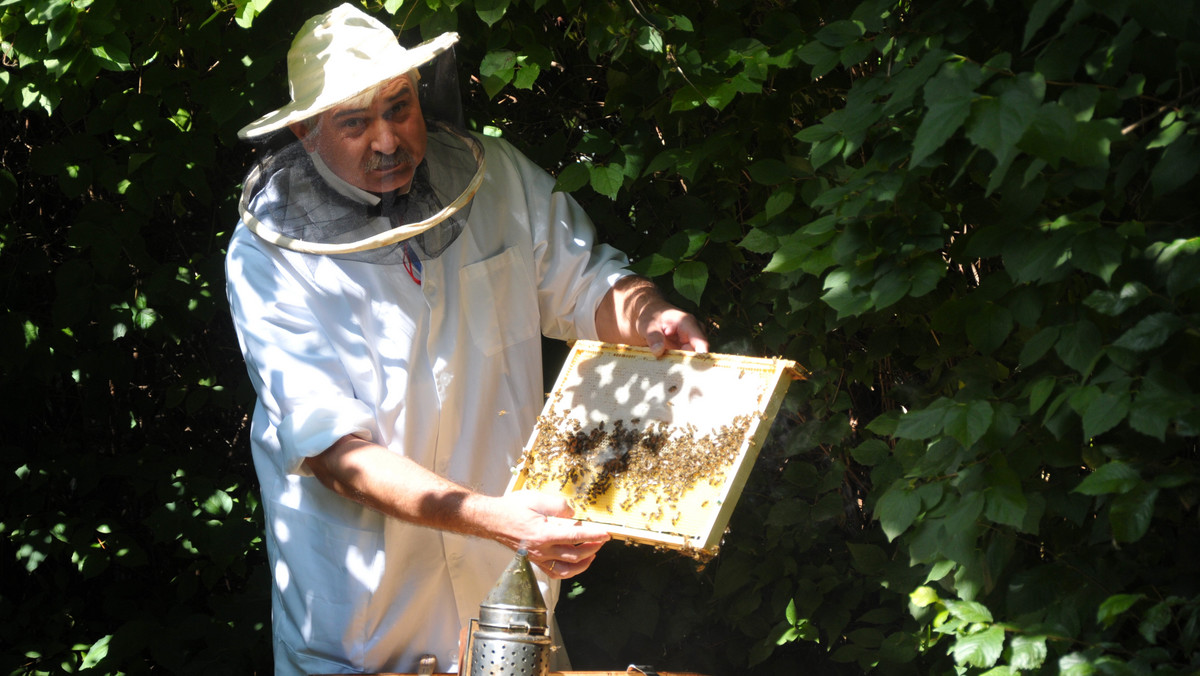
(973, 222)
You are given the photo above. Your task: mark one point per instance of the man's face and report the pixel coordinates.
(375, 145)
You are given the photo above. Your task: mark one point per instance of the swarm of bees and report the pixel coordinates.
(642, 469)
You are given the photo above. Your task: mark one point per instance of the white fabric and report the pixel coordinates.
(447, 373)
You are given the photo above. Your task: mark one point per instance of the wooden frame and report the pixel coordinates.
(695, 421)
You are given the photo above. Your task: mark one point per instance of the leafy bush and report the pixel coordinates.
(973, 223)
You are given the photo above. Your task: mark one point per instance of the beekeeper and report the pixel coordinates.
(390, 281)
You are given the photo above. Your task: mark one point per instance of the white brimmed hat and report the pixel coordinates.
(335, 57)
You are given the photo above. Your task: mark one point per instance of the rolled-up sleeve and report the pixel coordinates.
(302, 385)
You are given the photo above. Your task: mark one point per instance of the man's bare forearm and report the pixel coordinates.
(394, 485)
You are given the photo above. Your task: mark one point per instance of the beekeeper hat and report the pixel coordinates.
(337, 56)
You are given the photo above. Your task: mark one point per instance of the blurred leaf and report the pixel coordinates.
(572, 177)
(1028, 652)
(690, 279)
(988, 327)
(981, 649)
(1179, 163)
(1115, 606)
(1132, 512)
(897, 509)
(1079, 346)
(1155, 621)
(1114, 303)
(967, 423)
(948, 96)
(1111, 477)
(1149, 333)
(491, 11)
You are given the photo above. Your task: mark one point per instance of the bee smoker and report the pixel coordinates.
(512, 635)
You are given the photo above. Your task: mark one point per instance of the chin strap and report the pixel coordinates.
(393, 236)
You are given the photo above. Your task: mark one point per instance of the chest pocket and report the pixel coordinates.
(501, 305)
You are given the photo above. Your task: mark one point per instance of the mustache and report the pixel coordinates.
(385, 161)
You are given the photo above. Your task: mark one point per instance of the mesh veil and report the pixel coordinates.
(291, 199)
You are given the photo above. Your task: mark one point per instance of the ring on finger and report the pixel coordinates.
(552, 565)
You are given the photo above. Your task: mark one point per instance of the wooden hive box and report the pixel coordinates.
(657, 450)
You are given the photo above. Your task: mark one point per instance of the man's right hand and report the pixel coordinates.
(543, 526)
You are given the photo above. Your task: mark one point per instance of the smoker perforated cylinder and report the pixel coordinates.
(512, 637)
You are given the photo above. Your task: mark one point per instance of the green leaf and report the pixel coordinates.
(1114, 606)
(1037, 346)
(145, 318)
(497, 69)
(1038, 259)
(981, 649)
(1040, 391)
(897, 509)
(937, 126)
(988, 327)
(922, 597)
(112, 57)
(969, 611)
(572, 177)
(824, 151)
(1179, 164)
(1006, 504)
(759, 241)
(870, 452)
(491, 11)
(1028, 652)
(843, 295)
(653, 265)
(1150, 333)
(1105, 412)
(1113, 303)
(997, 123)
(649, 39)
(770, 172)
(1155, 621)
(1075, 664)
(925, 423)
(690, 279)
(795, 251)
(968, 423)
(948, 97)
(1041, 10)
(1111, 477)
(961, 524)
(889, 289)
(1100, 252)
(219, 504)
(779, 201)
(814, 133)
(686, 98)
(60, 29)
(839, 34)
(821, 58)
(1089, 146)
(1079, 346)
(96, 653)
(527, 74)
(867, 559)
(607, 179)
(1131, 513)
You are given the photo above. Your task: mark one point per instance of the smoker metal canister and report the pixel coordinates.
(512, 637)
